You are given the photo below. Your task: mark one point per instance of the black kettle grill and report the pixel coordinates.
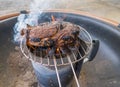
(94, 26)
(54, 72)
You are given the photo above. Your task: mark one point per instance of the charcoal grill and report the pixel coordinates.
(67, 63)
(95, 26)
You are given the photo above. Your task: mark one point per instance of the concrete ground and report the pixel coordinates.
(92, 74)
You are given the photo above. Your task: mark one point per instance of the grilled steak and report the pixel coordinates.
(53, 37)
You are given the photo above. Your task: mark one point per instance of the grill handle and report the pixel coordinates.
(94, 50)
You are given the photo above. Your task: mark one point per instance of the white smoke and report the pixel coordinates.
(19, 26)
(36, 9)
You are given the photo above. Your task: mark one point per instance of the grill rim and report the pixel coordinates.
(87, 14)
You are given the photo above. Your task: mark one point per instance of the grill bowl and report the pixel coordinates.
(103, 31)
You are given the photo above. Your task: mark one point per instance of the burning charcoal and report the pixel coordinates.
(43, 53)
(35, 39)
(73, 48)
(61, 26)
(66, 38)
(51, 42)
(27, 34)
(75, 32)
(48, 43)
(39, 49)
(51, 52)
(65, 50)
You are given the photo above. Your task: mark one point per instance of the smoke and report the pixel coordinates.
(36, 9)
(19, 26)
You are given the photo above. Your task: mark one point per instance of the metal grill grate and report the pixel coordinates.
(75, 56)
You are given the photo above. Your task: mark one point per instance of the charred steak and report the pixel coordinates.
(52, 38)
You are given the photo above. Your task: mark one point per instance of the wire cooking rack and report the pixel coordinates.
(75, 56)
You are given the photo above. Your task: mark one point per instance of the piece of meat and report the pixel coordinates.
(53, 36)
(41, 32)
